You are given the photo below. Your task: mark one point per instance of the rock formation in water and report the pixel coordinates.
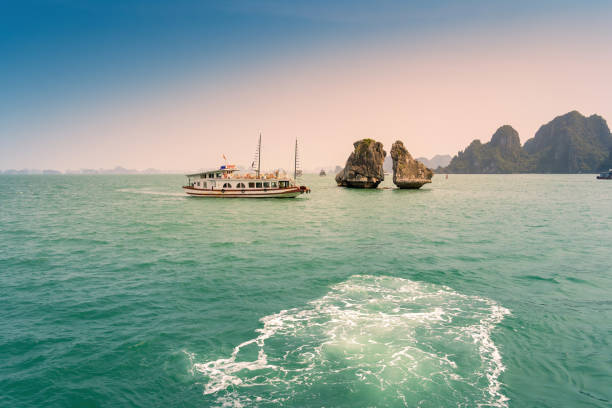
(503, 154)
(407, 172)
(364, 167)
(606, 164)
(571, 143)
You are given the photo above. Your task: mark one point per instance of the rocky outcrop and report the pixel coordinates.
(506, 139)
(570, 143)
(606, 164)
(503, 154)
(364, 167)
(407, 172)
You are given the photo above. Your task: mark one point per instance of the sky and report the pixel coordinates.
(175, 85)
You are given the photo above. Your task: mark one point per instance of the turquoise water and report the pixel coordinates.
(491, 291)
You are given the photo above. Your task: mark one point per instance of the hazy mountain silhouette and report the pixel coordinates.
(571, 143)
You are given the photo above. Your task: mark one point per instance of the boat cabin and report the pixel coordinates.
(606, 175)
(226, 178)
(222, 173)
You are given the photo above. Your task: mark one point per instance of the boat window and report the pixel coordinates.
(218, 175)
(204, 184)
(227, 185)
(251, 185)
(267, 184)
(240, 185)
(274, 184)
(258, 185)
(283, 183)
(198, 183)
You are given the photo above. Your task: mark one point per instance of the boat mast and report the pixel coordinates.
(295, 162)
(259, 156)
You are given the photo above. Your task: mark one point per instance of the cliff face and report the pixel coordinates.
(503, 154)
(407, 172)
(606, 164)
(364, 167)
(571, 143)
(507, 141)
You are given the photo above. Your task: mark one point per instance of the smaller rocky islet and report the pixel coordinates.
(364, 167)
(408, 173)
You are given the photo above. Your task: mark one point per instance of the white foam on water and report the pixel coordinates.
(405, 341)
(149, 192)
(482, 336)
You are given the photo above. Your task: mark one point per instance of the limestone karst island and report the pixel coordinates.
(364, 167)
(305, 204)
(570, 143)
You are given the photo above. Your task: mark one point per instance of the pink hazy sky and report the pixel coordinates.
(436, 92)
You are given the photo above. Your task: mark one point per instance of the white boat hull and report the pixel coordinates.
(289, 192)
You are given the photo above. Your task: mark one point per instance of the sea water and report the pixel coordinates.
(475, 291)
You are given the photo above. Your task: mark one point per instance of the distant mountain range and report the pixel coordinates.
(116, 170)
(438, 160)
(571, 143)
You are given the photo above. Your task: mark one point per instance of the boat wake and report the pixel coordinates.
(159, 193)
(376, 340)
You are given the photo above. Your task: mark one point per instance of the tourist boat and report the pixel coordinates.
(606, 175)
(322, 173)
(226, 182)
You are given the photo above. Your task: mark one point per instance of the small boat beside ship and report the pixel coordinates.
(226, 182)
(606, 175)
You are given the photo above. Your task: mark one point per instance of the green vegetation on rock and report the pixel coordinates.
(503, 154)
(571, 143)
(607, 164)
